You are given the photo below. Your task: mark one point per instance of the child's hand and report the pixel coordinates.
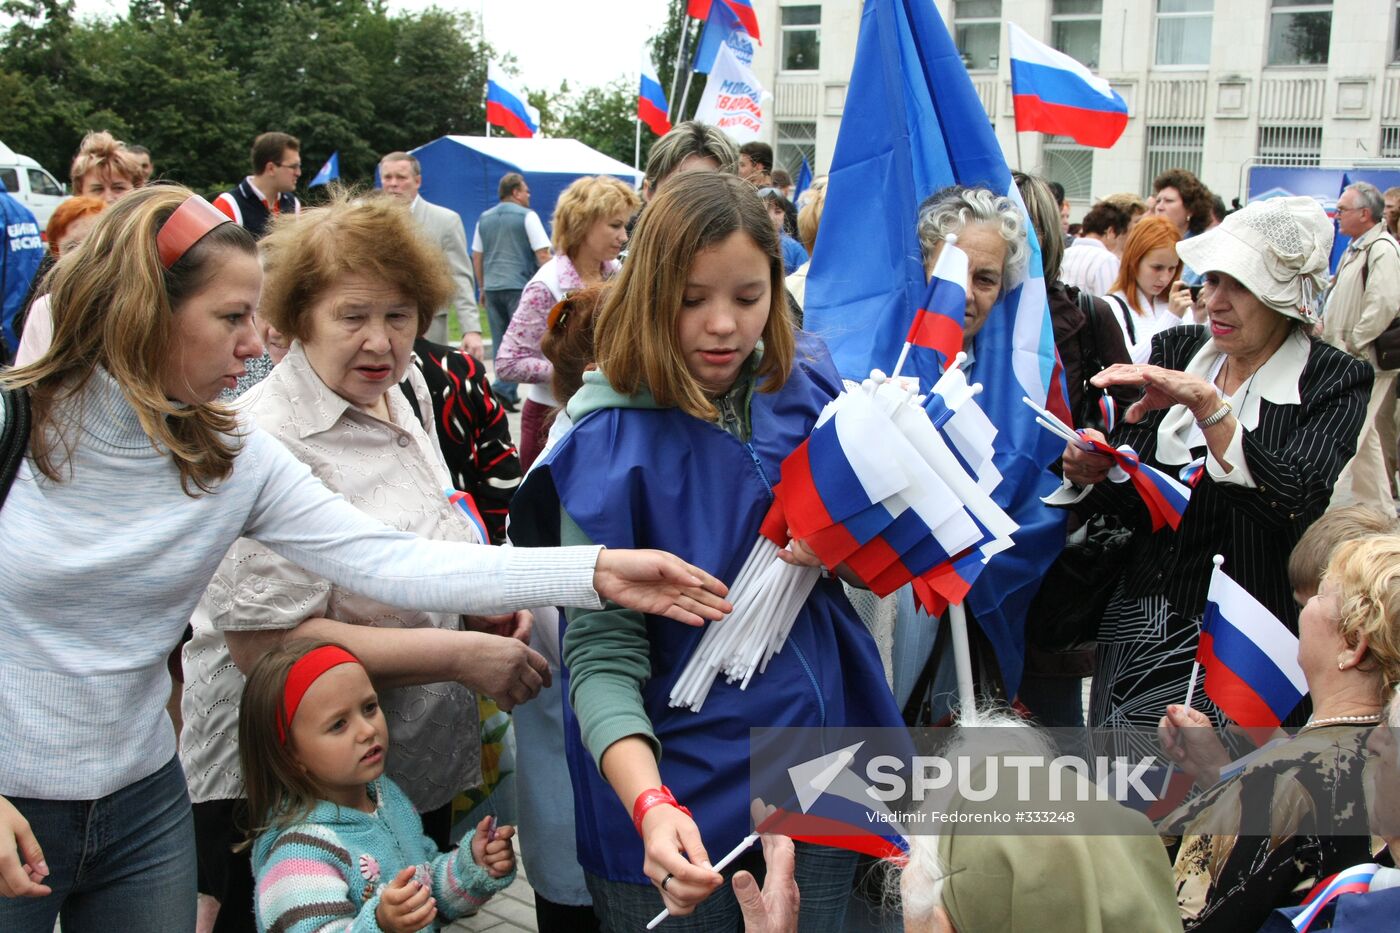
(669, 837)
(406, 906)
(491, 848)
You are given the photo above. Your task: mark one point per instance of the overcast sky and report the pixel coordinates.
(587, 42)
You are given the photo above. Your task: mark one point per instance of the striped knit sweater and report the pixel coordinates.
(325, 875)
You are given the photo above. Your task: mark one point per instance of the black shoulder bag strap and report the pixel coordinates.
(1090, 360)
(1127, 318)
(14, 439)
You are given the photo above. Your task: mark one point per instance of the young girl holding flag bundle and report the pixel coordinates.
(701, 392)
(338, 845)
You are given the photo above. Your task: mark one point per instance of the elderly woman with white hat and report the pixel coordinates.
(1257, 417)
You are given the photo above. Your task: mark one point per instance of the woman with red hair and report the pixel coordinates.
(68, 227)
(1139, 295)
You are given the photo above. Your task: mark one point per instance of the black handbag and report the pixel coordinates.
(1065, 614)
(1074, 594)
(14, 439)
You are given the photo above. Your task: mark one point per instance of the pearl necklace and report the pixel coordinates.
(1369, 718)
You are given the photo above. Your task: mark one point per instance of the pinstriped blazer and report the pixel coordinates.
(1294, 455)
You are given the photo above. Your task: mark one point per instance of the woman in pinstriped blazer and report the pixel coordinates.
(1254, 411)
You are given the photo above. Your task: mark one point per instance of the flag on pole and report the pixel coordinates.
(697, 9)
(914, 124)
(1055, 94)
(328, 173)
(938, 324)
(1249, 657)
(722, 28)
(833, 806)
(744, 11)
(651, 102)
(804, 181)
(733, 99)
(507, 106)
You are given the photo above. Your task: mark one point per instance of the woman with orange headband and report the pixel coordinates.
(135, 484)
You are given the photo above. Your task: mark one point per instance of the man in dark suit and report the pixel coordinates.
(402, 176)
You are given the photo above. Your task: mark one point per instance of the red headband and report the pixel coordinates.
(305, 671)
(187, 226)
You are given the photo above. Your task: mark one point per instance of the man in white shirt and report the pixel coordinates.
(1092, 260)
(401, 176)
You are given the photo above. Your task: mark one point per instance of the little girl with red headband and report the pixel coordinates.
(336, 844)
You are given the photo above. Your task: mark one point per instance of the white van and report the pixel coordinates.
(28, 182)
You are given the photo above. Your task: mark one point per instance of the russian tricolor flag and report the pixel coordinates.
(1056, 94)
(1249, 657)
(651, 102)
(834, 807)
(506, 105)
(938, 324)
(1355, 880)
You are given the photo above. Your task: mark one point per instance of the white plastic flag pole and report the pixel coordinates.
(962, 660)
(721, 865)
(1190, 695)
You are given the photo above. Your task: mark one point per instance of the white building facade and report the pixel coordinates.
(1211, 85)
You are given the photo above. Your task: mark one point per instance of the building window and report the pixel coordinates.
(1390, 142)
(1290, 145)
(1172, 146)
(1074, 29)
(1395, 49)
(796, 141)
(977, 27)
(1072, 165)
(802, 38)
(1183, 32)
(1299, 32)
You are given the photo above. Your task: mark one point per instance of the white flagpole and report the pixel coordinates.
(962, 660)
(1190, 695)
(680, 113)
(1219, 561)
(680, 57)
(721, 865)
(637, 119)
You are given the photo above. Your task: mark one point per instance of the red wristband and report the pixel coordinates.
(651, 798)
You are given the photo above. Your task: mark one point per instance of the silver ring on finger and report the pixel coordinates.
(667, 880)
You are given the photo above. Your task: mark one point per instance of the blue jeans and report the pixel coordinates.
(500, 308)
(824, 876)
(123, 862)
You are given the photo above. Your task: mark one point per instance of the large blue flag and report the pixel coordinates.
(913, 124)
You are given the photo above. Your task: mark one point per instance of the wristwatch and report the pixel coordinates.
(1220, 415)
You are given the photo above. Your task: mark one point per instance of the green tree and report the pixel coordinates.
(605, 118)
(309, 79)
(161, 82)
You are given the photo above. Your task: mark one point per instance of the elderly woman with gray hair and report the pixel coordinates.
(990, 230)
(1256, 414)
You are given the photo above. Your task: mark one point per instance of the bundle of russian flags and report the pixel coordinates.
(894, 486)
(1165, 498)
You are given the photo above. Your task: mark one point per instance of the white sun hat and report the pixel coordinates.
(1279, 249)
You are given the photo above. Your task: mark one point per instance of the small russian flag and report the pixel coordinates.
(1355, 880)
(651, 102)
(1249, 657)
(938, 324)
(1053, 93)
(467, 505)
(506, 105)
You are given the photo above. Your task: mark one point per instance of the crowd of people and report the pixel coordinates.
(255, 493)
